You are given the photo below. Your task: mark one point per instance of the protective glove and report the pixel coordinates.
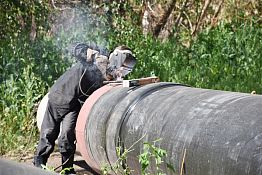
(102, 63)
(79, 50)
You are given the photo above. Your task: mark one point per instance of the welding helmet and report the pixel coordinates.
(121, 62)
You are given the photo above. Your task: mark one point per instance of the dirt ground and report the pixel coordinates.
(54, 161)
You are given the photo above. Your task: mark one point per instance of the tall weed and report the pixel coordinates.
(227, 57)
(28, 69)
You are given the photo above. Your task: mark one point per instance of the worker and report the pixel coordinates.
(73, 87)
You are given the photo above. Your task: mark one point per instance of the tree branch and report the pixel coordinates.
(180, 13)
(216, 13)
(203, 13)
(164, 19)
(189, 22)
(56, 8)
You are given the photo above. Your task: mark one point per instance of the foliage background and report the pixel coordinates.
(200, 43)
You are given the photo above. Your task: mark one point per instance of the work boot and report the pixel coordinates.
(71, 171)
(39, 161)
(67, 163)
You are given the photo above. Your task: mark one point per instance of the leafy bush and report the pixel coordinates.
(227, 57)
(29, 63)
(27, 71)
(32, 56)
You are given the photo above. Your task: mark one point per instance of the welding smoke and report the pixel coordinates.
(79, 24)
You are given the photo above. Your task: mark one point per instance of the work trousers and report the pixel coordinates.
(55, 116)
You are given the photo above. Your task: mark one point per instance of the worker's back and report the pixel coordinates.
(78, 82)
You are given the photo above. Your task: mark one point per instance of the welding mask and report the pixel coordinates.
(121, 62)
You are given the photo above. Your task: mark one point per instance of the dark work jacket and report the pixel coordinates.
(66, 91)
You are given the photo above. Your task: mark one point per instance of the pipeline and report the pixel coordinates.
(8, 167)
(207, 132)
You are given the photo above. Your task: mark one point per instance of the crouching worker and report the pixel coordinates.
(76, 84)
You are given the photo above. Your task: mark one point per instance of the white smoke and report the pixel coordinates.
(80, 24)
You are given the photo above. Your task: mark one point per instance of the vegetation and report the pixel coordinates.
(204, 48)
(54, 170)
(151, 155)
(224, 58)
(151, 151)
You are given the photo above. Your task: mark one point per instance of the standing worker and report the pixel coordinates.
(73, 87)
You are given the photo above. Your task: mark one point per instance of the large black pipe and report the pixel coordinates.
(211, 132)
(8, 167)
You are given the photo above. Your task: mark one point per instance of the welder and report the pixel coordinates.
(73, 88)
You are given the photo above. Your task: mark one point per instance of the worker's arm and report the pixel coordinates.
(79, 51)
